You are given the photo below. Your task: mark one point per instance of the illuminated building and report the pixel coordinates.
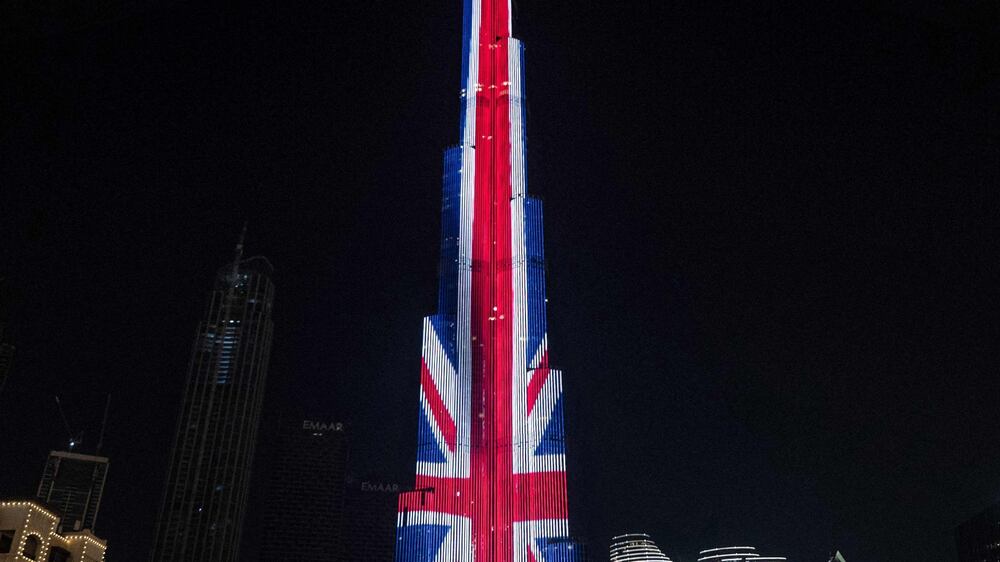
(491, 466)
(636, 547)
(369, 520)
(978, 539)
(72, 485)
(208, 475)
(303, 506)
(736, 554)
(30, 532)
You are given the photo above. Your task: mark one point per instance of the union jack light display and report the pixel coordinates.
(491, 465)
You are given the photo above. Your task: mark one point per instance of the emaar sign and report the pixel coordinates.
(322, 426)
(379, 487)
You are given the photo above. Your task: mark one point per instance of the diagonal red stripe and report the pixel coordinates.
(538, 378)
(440, 412)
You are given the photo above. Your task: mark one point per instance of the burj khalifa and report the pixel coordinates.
(491, 464)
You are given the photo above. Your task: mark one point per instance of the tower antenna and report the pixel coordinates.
(239, 252)
(104, 424)
(73, 441)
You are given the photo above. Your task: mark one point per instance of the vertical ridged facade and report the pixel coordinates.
(209, 472)
(491, 468)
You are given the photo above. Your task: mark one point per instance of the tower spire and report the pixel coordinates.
(239, 253)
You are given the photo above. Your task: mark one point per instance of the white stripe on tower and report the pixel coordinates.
(466, 211)
(515, 91)
(520, 375)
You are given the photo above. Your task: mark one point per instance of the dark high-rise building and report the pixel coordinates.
(6, 357)
(369, 528)
(303, 506)
(72, 485)
(6, 361)
(208, 476)
(978, 539)
(6, 350)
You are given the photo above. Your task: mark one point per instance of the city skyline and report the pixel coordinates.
(769, 246)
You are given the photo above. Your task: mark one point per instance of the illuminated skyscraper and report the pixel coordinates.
(636, 547)
(208, 477)
(73, 485)
(491, 465)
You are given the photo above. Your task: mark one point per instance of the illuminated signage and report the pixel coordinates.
(322, 426)
(379, 487)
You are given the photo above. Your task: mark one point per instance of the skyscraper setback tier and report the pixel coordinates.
(209, 472)
(491, 468)
(72, 485)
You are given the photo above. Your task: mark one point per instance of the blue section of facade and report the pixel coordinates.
(535, 268)
(559, 550)
(419, 543)
(427, 448)
(554, 440)
(451, 206)
(444, 327)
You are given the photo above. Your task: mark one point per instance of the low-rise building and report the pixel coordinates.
(30, 533)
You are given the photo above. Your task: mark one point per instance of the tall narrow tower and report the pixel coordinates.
(209, 473)
(491, 469)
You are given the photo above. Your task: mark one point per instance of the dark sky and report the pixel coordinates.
(771, 230)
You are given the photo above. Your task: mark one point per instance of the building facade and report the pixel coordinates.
(636, 547)
(369, 520)
(72, 485)
(736, 554)
(491, 465)
(205, 497)
(30, 533)
(978, 539)
(304, 503)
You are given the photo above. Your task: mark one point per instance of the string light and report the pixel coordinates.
(46, 533)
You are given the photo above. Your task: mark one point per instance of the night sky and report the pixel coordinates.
(771, 232)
